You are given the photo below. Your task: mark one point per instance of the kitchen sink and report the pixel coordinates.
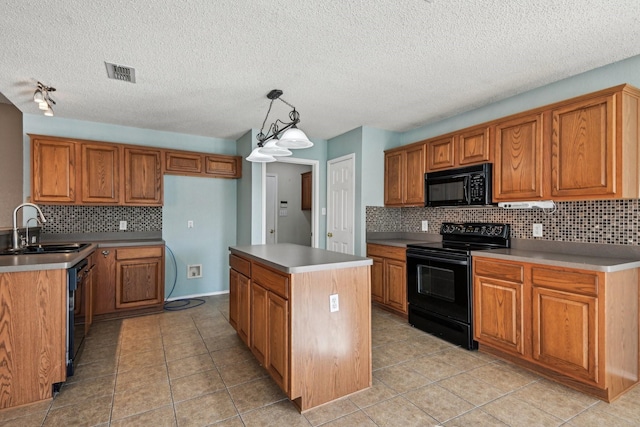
(46, 248)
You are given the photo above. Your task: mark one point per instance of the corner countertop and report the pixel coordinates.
(557, 259)
(33, 262)
(292, 259)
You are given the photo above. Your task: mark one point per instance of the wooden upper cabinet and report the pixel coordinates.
(180, 162)
(306, 191)
(394, 178)
(100, 175)
(414, 175)
(404, 176)
(143, 177)
(518, 165)
(583, 148)
(473, 146)
(223, 166)
(200, 164)
(464, 148)
(53, 170)
(440, 153)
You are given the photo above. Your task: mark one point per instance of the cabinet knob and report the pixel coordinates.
(329, 234)
(272, 231)
(105, 253)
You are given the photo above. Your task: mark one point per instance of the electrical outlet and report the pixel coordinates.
(189, 224)
(334, 305)
(425, 225)
(537, 230)
(123, 225)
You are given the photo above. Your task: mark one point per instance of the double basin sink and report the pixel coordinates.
(46, 248)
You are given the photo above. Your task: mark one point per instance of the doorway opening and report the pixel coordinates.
(291, 222)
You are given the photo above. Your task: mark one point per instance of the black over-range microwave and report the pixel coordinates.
(466, 186)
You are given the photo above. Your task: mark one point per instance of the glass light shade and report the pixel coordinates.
(294, 138)
(257, 156)
(48, 112)
(272, 149)
(38, 96)
(43, 105)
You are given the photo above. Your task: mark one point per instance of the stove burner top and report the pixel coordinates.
(466, 237)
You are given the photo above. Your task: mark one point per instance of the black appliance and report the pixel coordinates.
(75, 322)
(439, 279)
(467, 186)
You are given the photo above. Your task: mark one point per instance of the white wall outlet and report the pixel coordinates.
(123, 225)
(334, 305)
(189, 224)
(425, 225)
(194, 271)
(537, 230)
(324, 211)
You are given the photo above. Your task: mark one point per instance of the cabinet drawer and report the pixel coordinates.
(384, 251)
(571, 281)
(240, 265)
(270, 280)
(499, 270)
(139, 252)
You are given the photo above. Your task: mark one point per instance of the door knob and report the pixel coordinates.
(272, 231)
(329, 234)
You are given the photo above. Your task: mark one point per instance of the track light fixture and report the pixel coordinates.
(43, 99)
(281, 136)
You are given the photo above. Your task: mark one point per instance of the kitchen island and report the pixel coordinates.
(305, 313)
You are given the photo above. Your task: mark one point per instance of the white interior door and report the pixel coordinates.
(271, 228)
(341, 204)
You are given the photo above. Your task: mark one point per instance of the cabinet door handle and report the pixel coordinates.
(105, 253)
(329, 234)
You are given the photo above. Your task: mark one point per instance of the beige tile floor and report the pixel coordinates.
(188, 368)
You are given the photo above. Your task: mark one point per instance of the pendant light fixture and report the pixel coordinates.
(43, 99)
(281, 136)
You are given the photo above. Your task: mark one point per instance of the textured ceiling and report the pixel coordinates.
(204, 67)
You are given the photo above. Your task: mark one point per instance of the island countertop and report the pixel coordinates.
(291, 259)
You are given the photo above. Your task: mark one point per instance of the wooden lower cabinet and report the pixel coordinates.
(33, 335)
(314, 355)
(578, 327)
(130, 279)
(389, 276)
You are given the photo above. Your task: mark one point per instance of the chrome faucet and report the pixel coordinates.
(15, 241)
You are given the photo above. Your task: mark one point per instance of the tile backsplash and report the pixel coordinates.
(64, 219)
(596, 221)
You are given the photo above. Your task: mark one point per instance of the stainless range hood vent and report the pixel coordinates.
(121, 72)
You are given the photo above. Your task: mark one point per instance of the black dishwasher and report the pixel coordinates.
(75, 323)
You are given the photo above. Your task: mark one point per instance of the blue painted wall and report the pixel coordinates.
(209, 202)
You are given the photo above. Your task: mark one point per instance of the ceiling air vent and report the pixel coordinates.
(121, 72)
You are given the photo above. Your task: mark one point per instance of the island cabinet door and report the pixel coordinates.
(278, 354)
(259, 325)
(233, 298)
(244, 314)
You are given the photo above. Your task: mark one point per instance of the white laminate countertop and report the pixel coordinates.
(594, 263)
(292, 259)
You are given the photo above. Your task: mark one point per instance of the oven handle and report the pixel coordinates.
(464, 261)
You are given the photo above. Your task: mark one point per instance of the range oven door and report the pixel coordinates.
(440, 283)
